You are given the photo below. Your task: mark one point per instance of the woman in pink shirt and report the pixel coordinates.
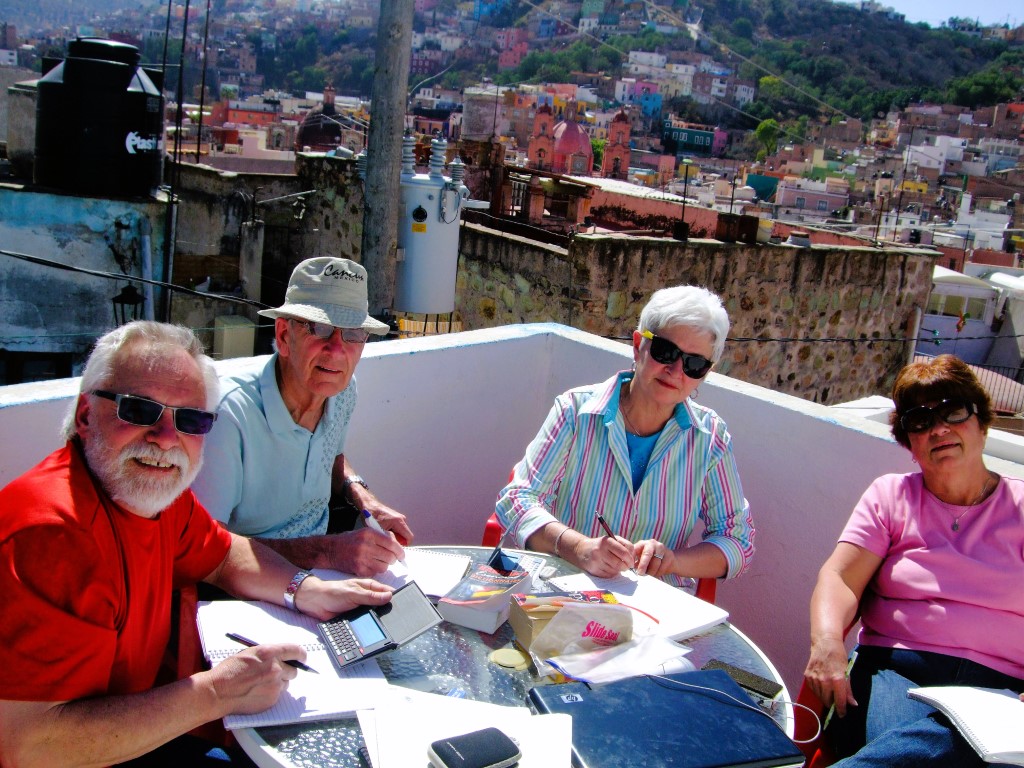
(933, 561)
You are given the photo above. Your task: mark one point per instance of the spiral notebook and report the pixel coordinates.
(310, 696)
(989, 719)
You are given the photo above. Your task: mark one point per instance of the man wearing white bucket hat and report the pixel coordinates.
(277, 451)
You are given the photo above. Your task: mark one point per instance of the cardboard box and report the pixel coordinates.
(530, 613)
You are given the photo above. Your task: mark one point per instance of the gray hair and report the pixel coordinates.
(99, 368)
(689, 306)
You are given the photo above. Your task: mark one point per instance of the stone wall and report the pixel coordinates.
(214, 204)
(823, 323)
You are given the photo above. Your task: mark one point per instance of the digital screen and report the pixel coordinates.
(502, 562)
(366, 630)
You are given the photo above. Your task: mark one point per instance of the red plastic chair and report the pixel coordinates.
(707, 589)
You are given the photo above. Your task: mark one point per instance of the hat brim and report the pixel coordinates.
(332, 314)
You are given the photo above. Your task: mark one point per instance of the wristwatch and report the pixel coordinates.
(355, 479)
(293, 587)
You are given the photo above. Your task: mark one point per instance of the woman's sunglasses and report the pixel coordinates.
(953, 411)
(325, 331)
(145, 413)
(665, 352)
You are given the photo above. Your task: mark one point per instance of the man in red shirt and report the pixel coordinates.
(93, 540)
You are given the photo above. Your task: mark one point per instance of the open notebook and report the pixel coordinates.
(989, 719)
(436, 573)
(658, 608)
(310, 696)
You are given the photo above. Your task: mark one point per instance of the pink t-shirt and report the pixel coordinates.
(955, 592)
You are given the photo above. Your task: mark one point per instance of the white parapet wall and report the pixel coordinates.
(442, 419)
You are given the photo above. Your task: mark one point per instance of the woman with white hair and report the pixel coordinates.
(634, 456)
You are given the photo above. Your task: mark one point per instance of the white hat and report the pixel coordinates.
(329, 290)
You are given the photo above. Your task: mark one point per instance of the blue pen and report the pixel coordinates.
(371, 522)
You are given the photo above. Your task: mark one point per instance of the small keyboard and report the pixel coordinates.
(341, 640)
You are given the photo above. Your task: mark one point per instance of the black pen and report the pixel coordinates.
(289, 662)
(608, 530)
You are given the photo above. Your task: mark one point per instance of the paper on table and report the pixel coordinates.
(322, 696)
(659, 608)
(544, 740)
(310, 696)
(436, 573)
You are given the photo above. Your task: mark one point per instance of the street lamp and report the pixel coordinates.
(127, 304)
(686, 181)
(682, 228)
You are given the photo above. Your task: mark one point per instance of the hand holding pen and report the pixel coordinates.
(252, 643)
(371, 522)
(613, 537)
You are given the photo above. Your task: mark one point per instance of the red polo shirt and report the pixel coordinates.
(85, 586)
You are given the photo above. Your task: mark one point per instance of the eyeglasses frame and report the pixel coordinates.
(310, 324)
(118, 398)
(684, 356)
(933, 411)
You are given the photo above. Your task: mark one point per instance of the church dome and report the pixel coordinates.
(571, 139)
(320, 129)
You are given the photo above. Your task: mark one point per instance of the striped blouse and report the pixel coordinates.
(578, 465)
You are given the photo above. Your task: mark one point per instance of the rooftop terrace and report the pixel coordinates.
(442, 419)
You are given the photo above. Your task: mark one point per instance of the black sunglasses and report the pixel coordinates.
(953, 411)
(665, 352)
(145, 413)
(325, 331)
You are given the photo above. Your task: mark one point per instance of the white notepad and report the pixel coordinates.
(658, 608)
(309, 696)
(990, 720)
(436, 573)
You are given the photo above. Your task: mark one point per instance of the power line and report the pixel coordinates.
(39, 260)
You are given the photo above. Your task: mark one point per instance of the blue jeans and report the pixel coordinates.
(898, 731)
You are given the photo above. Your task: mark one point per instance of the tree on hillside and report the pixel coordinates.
(767, 133)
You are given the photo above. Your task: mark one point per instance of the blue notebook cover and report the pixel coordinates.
(663, 722)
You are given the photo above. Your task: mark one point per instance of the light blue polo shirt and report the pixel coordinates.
(263, 474)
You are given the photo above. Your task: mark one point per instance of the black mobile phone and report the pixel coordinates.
(488, 748)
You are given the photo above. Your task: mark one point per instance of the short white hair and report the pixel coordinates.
(689, 306)
(99, 368)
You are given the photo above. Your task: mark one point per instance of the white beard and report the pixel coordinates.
(130, 486)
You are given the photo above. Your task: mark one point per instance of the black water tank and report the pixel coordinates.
(99, 123)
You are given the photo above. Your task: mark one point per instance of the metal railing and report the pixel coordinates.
(1004, 384)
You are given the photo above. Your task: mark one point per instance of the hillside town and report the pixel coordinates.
(601, 154)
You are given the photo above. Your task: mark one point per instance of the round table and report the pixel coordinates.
(451, 659)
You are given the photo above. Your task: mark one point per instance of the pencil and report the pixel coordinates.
(608, 530)
(832, 709)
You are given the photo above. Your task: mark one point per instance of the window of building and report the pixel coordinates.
(801, 202)
(822, 205)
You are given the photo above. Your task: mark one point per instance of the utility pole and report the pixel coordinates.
(389, 100)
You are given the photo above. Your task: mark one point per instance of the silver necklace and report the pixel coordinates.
(629, 423)
(956, 520)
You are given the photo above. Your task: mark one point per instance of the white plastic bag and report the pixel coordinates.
(579, 627)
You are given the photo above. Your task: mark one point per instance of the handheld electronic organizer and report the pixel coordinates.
(368, 631)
